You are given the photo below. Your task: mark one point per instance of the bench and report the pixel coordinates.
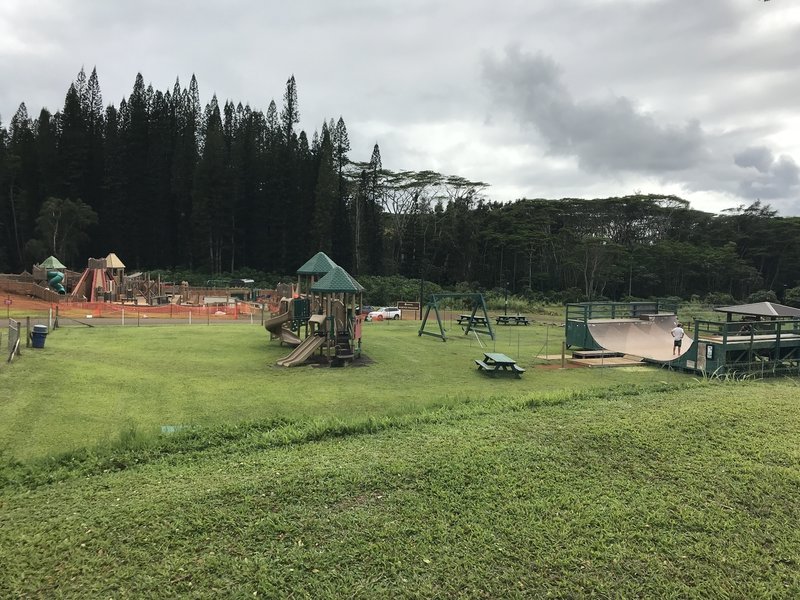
(492, 365)
(512, 319)
(476, 320)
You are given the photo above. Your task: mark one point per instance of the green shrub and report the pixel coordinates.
(791, 297)
(762, 296)
(382, 291)
(719, 299)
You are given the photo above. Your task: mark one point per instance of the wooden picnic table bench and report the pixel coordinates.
(512, 319)
(476, 320)
(494, 362)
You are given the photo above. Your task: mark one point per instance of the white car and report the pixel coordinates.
(388, 312)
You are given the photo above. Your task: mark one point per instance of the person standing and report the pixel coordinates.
(677, 336)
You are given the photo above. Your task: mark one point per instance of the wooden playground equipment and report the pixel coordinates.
(104, 281)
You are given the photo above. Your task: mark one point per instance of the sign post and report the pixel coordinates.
(409, 306)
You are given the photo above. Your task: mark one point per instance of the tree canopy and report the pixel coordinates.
(168, 183)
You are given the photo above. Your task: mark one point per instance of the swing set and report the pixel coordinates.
(469, 322)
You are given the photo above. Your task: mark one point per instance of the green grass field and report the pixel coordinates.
(412, 477)
(89, 385)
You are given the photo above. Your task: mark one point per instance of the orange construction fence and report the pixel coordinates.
(99, 310)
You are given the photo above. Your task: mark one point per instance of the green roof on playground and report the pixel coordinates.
(51, 262)
(338, 280)
(319, 264)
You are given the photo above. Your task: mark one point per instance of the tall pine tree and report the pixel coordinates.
(325, 197)
(211, 215)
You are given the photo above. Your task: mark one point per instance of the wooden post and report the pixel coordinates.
(563, 354)
(27, 332)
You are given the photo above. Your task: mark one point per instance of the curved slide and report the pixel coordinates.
(54, 279)
(276, 328)
(650, 338)
(301, 354)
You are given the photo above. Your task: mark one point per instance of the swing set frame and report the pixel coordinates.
(478, 302)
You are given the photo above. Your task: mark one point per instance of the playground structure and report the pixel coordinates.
(277, 325)
(765, 341)
(104, 283)
(101, 280)
(322, 308)
(477, 322)
(50, 269)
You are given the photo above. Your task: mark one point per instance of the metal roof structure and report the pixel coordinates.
(337, 281)
(761, 309)
(319, 264)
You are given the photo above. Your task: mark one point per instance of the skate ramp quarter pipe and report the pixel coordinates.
(648, 337)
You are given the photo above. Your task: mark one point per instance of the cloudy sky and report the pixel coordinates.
(575, 98)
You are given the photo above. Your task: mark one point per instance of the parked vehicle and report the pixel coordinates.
(387, 312)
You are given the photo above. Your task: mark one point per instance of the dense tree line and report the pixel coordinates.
(166, 182)
(171, 182)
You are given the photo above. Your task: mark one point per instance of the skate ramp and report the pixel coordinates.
(300, 354)
(648, 337)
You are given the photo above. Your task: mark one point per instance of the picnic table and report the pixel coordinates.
(476, 320)
(512, 319)
(495, 362)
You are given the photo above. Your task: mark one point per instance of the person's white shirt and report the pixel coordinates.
(678, 333)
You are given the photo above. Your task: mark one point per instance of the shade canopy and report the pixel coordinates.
(51, 262)
(319, 264)
(113, 262)
(761, 309)
(337, 281)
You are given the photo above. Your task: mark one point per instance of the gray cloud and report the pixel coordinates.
(622, 95)
(613, 135)
(604, 135)
(758, 157)
(777, 180)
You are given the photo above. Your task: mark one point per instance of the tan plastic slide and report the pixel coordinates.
(276, 328)
(648, 337)
(301, 354)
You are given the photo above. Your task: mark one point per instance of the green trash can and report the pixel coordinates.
(39, 335)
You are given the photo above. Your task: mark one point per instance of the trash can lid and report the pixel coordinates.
(40, 328)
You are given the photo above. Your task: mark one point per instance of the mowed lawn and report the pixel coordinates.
(90, 386)
(670, 490)
(412, 477)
